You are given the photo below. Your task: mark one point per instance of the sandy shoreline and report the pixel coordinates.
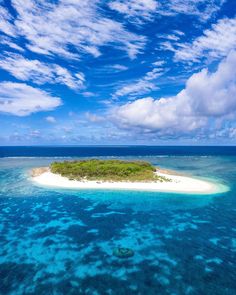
(177, 184)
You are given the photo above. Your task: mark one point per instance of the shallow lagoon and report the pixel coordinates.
(61, 242)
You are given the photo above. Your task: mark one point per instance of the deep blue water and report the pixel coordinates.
(91, 151)
(55, 241)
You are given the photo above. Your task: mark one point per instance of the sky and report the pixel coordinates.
(117, 72)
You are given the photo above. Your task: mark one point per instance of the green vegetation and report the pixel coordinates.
(106, 170)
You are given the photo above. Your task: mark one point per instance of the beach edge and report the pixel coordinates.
(178, 183)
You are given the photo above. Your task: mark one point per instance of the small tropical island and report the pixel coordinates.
(120, 175)
(107, 170)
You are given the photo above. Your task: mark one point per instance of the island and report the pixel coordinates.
(117, 174)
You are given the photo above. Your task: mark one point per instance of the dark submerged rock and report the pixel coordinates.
(123, 252)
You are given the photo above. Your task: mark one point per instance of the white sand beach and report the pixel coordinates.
(177, 183)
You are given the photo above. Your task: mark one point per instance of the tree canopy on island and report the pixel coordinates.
(106, 170)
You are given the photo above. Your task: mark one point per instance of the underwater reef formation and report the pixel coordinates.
(121, 252)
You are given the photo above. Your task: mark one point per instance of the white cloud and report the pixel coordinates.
(141, 86)
(7, 41)
(138, 88)
(21, 100)
(215, 42)
(158, 63)
(199, 8)
(39, 72)
(153, 74)
(118, 67)
(139, 10)
(5, 22)
(69, 28)
(171, 37)
(50, 119)
(178, 32)
(206, 96)
(88, 94)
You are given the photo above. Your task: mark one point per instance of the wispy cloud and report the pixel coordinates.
(68, 28)
(118, 67)
(21, 100)
(199, 8)
(135, 9)
(158, 63)
(88, 94)
(5, 40)
(39, 72)
(142, 85)
(5, 22)
(139, 10)
(215, 42)
(50, 119)
(138, 88)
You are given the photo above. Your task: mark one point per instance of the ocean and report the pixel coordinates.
(58, 241)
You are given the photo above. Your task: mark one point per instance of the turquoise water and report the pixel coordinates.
(55, 241)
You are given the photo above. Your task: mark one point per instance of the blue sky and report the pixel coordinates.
(76, 72)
